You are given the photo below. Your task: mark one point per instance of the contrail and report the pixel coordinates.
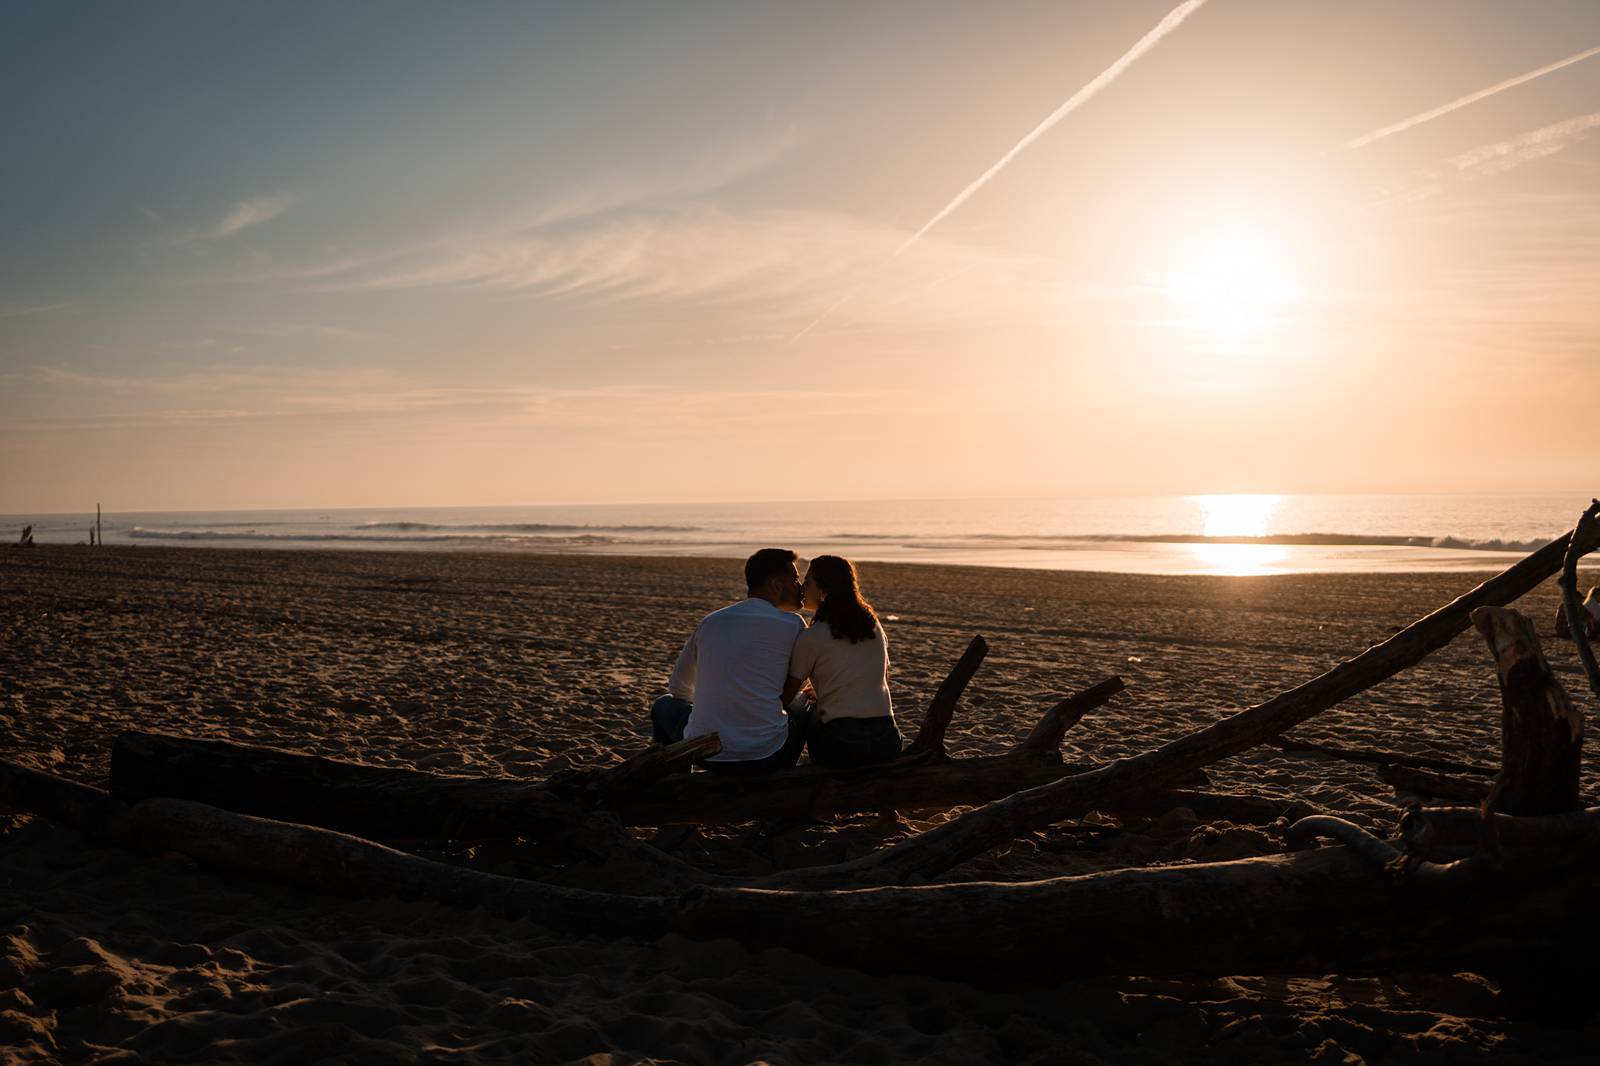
(1471, 98)
(1106, 77)
(1083, 95)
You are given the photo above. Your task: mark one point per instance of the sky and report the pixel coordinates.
(406, 254)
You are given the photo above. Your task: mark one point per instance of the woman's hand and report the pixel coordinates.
(791, 689)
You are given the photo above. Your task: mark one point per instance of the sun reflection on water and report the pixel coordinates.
(1238, 515)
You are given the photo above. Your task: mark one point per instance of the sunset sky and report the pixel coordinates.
(320, 255)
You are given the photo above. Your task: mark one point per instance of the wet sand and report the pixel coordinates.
(528, 664)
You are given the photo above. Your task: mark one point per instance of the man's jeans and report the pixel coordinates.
(669, 715)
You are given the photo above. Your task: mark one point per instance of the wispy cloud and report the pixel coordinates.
(235, 220)
(59, 397)
(35, 309)
(250, 213)
(1488, 160)
(800, 260)
(695, 174)
(1501, 156)
(302, 330)
(1471, 98)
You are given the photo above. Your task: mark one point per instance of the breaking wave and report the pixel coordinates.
(592, 539)
(522, 527)
(1326, 540)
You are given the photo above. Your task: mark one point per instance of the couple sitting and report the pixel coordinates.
(743, 673)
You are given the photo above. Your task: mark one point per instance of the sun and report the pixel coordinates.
(1234, 278)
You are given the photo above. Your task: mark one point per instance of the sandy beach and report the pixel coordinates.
(524, 665)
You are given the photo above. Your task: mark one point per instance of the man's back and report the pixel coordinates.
(734, 668)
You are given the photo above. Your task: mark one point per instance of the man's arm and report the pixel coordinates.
(802, 659)
(681, 684)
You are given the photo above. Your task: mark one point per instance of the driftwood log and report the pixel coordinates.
(392, 803)
(1324, 911)
(1541, 731)
(929, 854)
(1580, 624)
(379, 802)
(1279, 914)
(318, 860)
(1380, 757)
(398, 804)
(1440, 786)
(1426, 830)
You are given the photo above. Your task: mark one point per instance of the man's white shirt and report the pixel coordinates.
(733, 669)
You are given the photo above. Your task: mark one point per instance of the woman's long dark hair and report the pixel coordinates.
(845, 610)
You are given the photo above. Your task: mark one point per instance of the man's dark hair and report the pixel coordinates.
(768, 562)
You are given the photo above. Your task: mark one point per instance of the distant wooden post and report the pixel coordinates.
(99, 533)
(1542, 732)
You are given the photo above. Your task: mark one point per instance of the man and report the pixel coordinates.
(729, 678)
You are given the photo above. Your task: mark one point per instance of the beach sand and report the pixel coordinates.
(528, 664)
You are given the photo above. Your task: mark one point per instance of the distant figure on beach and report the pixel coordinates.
(1591, 628)
(845, 657)
(730, 676)
(27, 537)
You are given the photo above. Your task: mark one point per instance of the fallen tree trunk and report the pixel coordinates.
(1322, 911)
(320, 860)
(1440, 786)
(379, 802)
(396, 804)
(929, 854)
(393, 803)
(1429, 828)
(1217, 806)
(1380, 757)
(1541, 731)
(1327, 910)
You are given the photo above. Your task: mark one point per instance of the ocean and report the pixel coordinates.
(1228, 534)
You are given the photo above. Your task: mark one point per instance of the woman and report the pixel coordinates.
(846, 658)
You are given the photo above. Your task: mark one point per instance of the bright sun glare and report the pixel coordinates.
(1234, 278)
(1241, 515)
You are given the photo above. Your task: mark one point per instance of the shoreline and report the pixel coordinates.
(1444, 560)
(1220, 534)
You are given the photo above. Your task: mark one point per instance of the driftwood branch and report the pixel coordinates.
(1217, 806)
(1541, 731)
(1428, 828)
(651, 764)
(1380, 757)
(927, 855)
(1044, 743)
(929, 742)
(1578, 620)
(1384, 855)
(1440, 786)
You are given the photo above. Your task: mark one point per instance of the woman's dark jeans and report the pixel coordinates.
(842, 743)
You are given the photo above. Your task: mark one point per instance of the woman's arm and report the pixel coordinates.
(791, 689)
